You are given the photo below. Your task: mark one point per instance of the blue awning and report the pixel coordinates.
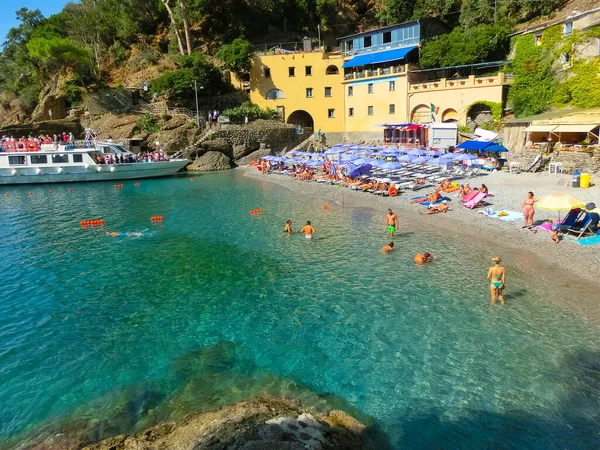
(360, 60)
(496, 148)
(482, 146)
(379, 57)
(391, 55)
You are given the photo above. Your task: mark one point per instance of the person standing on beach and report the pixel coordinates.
(392, 223)
(528, 210)
(496, 276)
(288, 227)
(308, 230)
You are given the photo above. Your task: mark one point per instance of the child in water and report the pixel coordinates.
(308, 230)
(288, 227)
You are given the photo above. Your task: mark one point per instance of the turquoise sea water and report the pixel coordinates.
(214, 305)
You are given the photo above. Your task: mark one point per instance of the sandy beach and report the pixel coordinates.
(571, 266)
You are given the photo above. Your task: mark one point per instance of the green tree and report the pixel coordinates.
(237, 56)
(467, 46)
(57, 53)
(395, 11)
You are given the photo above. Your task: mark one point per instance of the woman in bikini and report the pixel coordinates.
(496, 278)
(528, 210)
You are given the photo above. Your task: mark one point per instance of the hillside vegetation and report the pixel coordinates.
(180, 42)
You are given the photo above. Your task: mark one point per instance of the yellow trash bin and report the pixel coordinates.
(585, 180)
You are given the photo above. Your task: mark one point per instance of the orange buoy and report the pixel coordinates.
(51, 191)
(191, 179)
(136, 184)
(31, 193)
(325, 207)
(70, 190)
(156, 218)
(87, 223)
(7, 195)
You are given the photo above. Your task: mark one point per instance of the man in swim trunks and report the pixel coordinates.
(288, 227)
(388, 248)
(392, 223)
(308, 230)
(422, 258)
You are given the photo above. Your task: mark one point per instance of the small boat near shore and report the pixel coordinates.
(81, 161)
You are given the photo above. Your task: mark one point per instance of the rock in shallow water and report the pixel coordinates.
(211, 161)
(256, 424)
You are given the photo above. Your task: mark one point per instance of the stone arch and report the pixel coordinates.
(450, 115)
(421, 114)
(301, 118)
(274, 94)
(480, 113)
(332, 70)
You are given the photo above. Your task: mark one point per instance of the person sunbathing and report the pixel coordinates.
(445, 184)
(464, 190)
(442, 208)
(432, 198)
(419, 181)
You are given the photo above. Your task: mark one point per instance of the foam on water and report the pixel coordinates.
(214, 305)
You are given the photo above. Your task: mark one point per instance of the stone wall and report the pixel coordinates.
(571, 161)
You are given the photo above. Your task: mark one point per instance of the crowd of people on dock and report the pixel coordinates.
(24, 143)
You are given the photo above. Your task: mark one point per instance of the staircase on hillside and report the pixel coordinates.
(160, 108)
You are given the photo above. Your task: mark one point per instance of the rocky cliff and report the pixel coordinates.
(256, 424)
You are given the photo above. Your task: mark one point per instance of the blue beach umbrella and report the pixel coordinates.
(360, 170)
(421, 159)
(390, 166)
(348, 158)
(360, 161)
(407, 158)
(463, 157)
(312, 163)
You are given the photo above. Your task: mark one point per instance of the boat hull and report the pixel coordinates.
(108, 172)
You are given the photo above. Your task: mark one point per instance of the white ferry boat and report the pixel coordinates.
(28, 163)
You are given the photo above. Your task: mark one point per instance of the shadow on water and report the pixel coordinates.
(211, 377)
(560, 429)
(517, 293)
(201, 380)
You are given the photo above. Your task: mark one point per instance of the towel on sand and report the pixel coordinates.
(511, 216)
(547, 227)
(588, 240)
(436, 203)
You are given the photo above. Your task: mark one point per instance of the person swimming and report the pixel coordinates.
(124, 234)
(288, 227)
(423, 258)
(388, 248)
(496, 277)
(308, 230)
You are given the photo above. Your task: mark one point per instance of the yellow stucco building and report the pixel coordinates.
(370, 81)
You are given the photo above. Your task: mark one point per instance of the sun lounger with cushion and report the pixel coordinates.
(475, 200)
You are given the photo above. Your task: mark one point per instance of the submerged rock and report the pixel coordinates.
(256, 424)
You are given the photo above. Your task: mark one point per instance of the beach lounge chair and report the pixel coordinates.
(475, 200)
(570, 219)
(586, 226)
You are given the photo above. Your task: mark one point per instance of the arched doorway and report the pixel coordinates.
(421, 114)
(480, 113)
(302, 119)
(450, 115)
(332, 70)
